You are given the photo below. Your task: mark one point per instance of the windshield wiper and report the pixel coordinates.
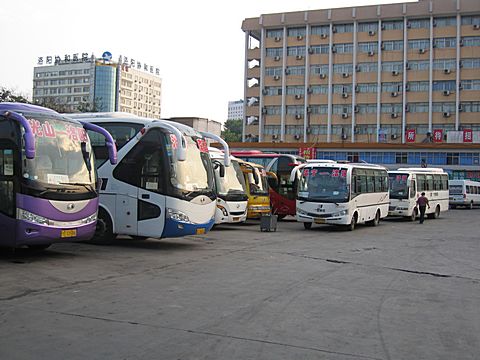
(87, 186)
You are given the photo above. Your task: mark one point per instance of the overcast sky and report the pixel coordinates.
(197, 45)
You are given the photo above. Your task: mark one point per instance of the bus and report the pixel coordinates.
(48, 182)
(464, 193)
(231, 189)
(163, 185)
(256, 181)
(406, 186)
(343, 194)
(282, 189)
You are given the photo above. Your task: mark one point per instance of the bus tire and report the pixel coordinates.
(413, 216)
(281, 216)
(307, 225)
(39, 247)
(353, 223)
(470, 206)
(104, 230)
(376, 219)
(435, 214)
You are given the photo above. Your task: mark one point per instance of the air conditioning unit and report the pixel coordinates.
(299, 57)
(460, 64)
(276, 58)
(382, 26)
(357, 68)
(382, 46)
(407, 108)
(460, 42)
(298, 116)
(345, 75)
(371, 53)
(323, 36)
(310, 50)
(356, 109)
(334, 29)
(422, 51)
(299, 37)
(357, 88)
(394, 115)
(323, 76)
(309, 109)
(476, 26)
(344, 115)
(298, 96)
(447, 71)
(278, 38)
(434, 22)
(297, 137)
(409, 25)
(344, 136)
(407, 87)
(309, 90)
(309, 130)
(393, 136)
(344, 95)
(446, 114)
(264, 92)
(394, 94)
(371, 33)
(460, 107)
(460, 86)
(395, 73)
(334, 49)
(287, 71)
(407, 66)
(264, 110)
(276, 77)
(275, 136)
(446, 92)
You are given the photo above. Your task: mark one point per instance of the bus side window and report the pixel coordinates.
(421, 183)
(413, 190)
(6, 182)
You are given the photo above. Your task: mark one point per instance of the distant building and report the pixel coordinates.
(235, 110)
(99, 84)
(200, 124)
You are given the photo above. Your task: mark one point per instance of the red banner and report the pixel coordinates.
(308, 153)
(437, 135)
(411, 133)
(467, 135)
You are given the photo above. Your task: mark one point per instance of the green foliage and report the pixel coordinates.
(7, 95)
(232, 131)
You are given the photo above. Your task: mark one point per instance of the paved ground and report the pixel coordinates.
(397, 291)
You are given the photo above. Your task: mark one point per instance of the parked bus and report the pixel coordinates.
(341, 194)
(282, 189)
(48, 182)
(231, 189)
(163, 184)
(256, 181)
(464, 193)
(406, 185)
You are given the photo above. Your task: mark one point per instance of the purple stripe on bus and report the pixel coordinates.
(43, 208)
(32, 234)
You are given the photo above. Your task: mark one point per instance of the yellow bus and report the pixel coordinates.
(257, 189)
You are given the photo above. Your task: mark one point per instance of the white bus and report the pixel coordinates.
(232, 198)
(341, 194)
(406, 186)
(464, 193)
(163, 184)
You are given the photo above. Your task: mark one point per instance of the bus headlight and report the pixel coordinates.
(301, 212)
(177, 215)
(224, 211)
(90, 219)
(401, 208)
(30, 217)
(340, 213)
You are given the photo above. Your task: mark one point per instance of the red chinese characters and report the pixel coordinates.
(202, 145)
(437, 135)
(173, 140)
(335, 172)
(37, 128)
(411, 133)
(308, 153)
(48, 129)
(467, 135)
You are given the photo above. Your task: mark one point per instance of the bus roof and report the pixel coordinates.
(260, 154)
(345, 165)
(28, 108)
(421, 170)
(463, 181)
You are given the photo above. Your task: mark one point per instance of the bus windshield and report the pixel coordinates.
(324, 184)
(260, 187)
(194, 175)
(232, 185)
(63, 154)
(456, 189)
(398, 185)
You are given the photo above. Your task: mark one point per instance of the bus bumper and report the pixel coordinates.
(174, 228)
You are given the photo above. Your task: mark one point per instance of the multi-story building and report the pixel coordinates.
(98, 84)
(235, 110)
(395, 73)
(200, 124)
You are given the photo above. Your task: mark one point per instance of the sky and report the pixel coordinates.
(197, 45)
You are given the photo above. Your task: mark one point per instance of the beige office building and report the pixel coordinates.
(395, 73)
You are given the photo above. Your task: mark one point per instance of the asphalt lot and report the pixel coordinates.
(398, 291)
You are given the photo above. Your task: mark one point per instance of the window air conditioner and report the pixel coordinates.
(278, 38)
(264, 92)
(409, 25)
(407, 87)
(299, 57)
(446, 114)
(298, 116)
(344, 115)
(395, 73)
(276, 77)
(356, 109)
(297, 137)
(371, 53)
(334, 49)
(309, 109)
(299, 37)
(422, 51)
(446, 92)
(310, 50)
(476, 26)
(334, 29)
(323, 35)
(394, 115)
(345, 75)
(276, 58)
(264, 110)
(394, 94)
(344, 136)
(357, 68)
(309, 90)
(371, 33)
(460, 107)
(309, 130)
(274, 136)
(344, 95)
(447, 71)
(393, 136)
(407, 66)
(298, 96)
(323, 76)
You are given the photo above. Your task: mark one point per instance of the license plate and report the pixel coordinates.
(200, 231)
(68, 233)
(236, 218)
(319, 221)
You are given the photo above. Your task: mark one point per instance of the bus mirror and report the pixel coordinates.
(28, 137)
(112, 149)
(226, 149)
(272, 179)
(222, 171)
(255, 176)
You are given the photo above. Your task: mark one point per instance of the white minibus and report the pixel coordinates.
(464, 193)
(406, 186)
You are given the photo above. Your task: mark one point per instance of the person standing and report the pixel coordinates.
(422, 203)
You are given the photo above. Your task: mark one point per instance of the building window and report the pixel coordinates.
(319, 89)
(366, 47)
(419, 44)
(452, 158)
(443, 107)
(343, 48)
(343, 28)
(295, 110)
(448, 85)
(470, 63)
(273, 110)
(418, 65)
(342, 88)
(274, 33)
(367, 26)
(470, 106)
(445, 21)
(319, 69)
(319, 30)
(341, 109)
(471, 40)
(391, 108)
(442, 64)
(418, 86)
(295, 70)
(392, 25)
(319, 49)
(343, 68)
(401, 158)
(367, 108)
(470, 84)
(392, 87)
(418, 107)
(471, 20)
(319, 109)
(390, 66)
(273, 90)
(367, 67)
(272, 129)
(366, 88)
(296, 50)
(297, 31)
(392, 45)
(295, 90)
(443, 43)
(273, 71)
(419, 23)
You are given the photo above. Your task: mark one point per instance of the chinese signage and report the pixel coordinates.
(411, 133)
(437, 135)
(467, 135)
(74, 58)
(132, 63)
(74, 133)
(308, 153)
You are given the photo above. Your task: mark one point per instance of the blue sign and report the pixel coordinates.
(107, 56)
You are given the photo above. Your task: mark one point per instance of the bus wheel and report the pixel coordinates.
(436, 214)
(352, 224)
(39, 247)
(282, 216)
(414, 215)
(104, 230)
(376, 219)
(470, 206)
(307, 225)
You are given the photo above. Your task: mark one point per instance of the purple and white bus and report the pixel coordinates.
(48, 181)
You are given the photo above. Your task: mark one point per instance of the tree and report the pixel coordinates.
(7, 95)
(55, 104)
(86, 106)
(232, 130)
